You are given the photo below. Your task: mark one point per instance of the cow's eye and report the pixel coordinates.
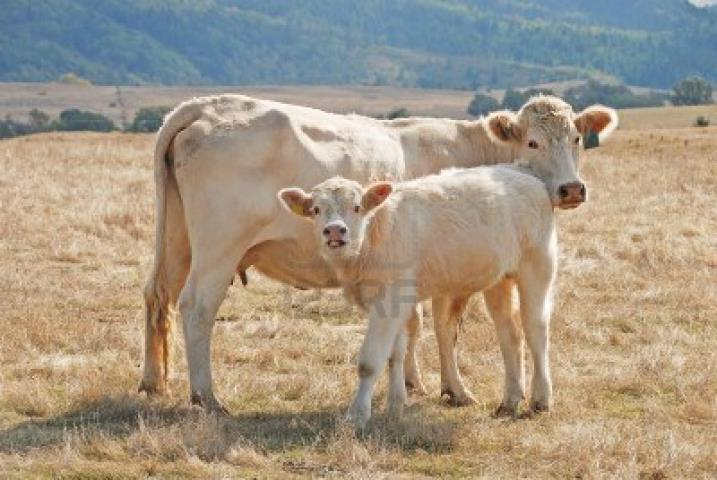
(577, 140)
(533, 144)
(316, 210)
(357, 208)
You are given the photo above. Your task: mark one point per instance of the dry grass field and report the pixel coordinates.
(633, 338)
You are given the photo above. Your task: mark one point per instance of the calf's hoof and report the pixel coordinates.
(463, 399)
(539, 406)
(415, 387)
(152, 389)
(505, 410)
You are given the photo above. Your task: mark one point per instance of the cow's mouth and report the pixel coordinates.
(333, 244)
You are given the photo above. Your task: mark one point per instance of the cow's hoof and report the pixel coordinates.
(464, 399)
(358, 417)
(210, 405)
(415, 388)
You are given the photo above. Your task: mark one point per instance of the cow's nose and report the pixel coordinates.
(337, 230)
(573, 191)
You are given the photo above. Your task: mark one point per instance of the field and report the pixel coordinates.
(633, 336)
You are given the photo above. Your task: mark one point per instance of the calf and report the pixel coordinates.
(444, 237)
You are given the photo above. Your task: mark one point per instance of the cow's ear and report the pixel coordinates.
(596, 120)
(375, 194)
(296, 201)
(503, 126)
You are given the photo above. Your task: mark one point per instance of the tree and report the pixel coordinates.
(482, 104)
(39, 120)
(73, 119)
(400, 112)
(692, 91)
(513, 99)
(148, 119)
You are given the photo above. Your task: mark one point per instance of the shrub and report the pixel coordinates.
(148, 119)
(702, 121)
(73, 119)
(514, 99)
(482, 104)
(39, 120)
(616, 96)
(692, 91)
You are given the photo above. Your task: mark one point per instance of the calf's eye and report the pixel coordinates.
(316, 210)
(533, 144)
(357, 208)
(577, 140)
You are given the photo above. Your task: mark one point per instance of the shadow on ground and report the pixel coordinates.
(117, 417)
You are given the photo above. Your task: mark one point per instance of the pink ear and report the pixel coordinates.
(597, 118)
(375, 195)
(503, 126)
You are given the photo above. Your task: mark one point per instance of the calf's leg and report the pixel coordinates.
(534, 286)
(414, 326)
(388, 315)
(446, 316)
(397, 395)
(499, 302)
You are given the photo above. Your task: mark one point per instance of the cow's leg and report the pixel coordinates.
(161, 293)
(414, 382)
(397, 394)
(209, 277)
(387, 316)
(534, 284)
(446, 315)
(499, 302)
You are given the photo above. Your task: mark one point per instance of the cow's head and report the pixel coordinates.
(339, 209)
(548, 135)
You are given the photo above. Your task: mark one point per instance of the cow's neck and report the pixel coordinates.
(466, 145)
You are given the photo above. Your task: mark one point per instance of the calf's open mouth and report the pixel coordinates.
(336, 243)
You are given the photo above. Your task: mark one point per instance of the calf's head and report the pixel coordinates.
(339, 209)
(547, 135)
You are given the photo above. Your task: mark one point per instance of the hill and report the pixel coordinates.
(417, 43)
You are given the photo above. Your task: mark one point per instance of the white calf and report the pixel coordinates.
(444, 237)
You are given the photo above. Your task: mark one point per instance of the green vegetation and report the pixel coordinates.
(692, 91)
(702, 121)
(426, 43)
(482, 104)
(148, 119)
(74, 119)
(71, 119)
(612, 95)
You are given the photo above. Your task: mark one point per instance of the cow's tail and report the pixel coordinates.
(171, 259)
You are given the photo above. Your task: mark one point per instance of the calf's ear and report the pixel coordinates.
(503, 126)
(375, 194)
(597, 120)
(296, 201)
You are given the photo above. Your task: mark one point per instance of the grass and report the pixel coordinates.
(634, 332)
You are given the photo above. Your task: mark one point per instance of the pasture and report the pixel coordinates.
(633, 336)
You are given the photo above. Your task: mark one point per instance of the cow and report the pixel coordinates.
(218, 163)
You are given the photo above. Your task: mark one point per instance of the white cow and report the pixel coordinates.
(219, 159)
